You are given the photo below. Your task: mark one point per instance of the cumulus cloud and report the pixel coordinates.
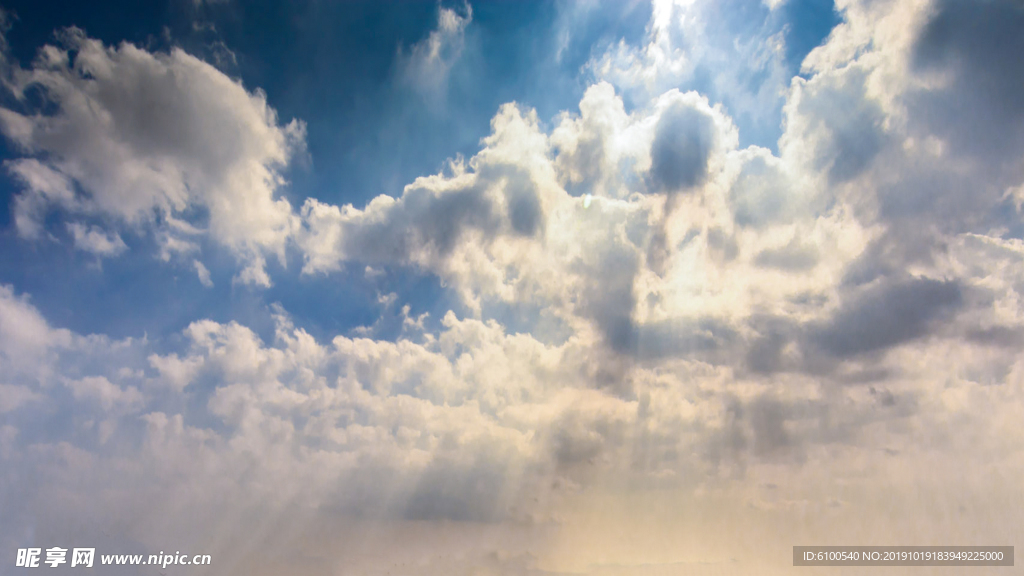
(101, 390)
(461, 224)
(24, 333)
(834, 124)
(471, 424)
(142, 138)
(681, 149)
(765, 191)
(598, 148)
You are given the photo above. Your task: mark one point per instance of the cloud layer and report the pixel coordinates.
(660, 331)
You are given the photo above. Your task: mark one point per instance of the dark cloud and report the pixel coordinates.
(426, 220)
(610, 301)
(524, 209)
(1011, 337)
(764, 351)
(980, 45)
(764, 354)
(581, 442)
(950, 202)
(728, 443)
(885, 315)
(682, 146)
(435, 221)
(902, 245)
(965, 118)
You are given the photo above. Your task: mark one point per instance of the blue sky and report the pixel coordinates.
(511, 273)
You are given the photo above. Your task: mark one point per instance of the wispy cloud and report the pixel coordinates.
(426, 64)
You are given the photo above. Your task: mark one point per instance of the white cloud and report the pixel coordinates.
(107, 394)
(14, 397)
(24, 333)
(203, 273)
(174, 371)
(146, 134)
(473, 423)
(95, 240)
(47, 186)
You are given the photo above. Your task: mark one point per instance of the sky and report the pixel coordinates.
(493, 288)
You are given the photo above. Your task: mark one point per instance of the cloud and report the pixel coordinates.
(47, 185)
(654, 325)
(24, 333)
(101, 390)
(14, 397)
(765, 192)
(93, 239)
(472, 424)
(971, 46)
(174, 371)
(141, 138)
(888, 314)
(203, 273)
(598, 149)
(683, 142)
(794, 257)
(427, 64)
(452, 224)
(835, 122)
